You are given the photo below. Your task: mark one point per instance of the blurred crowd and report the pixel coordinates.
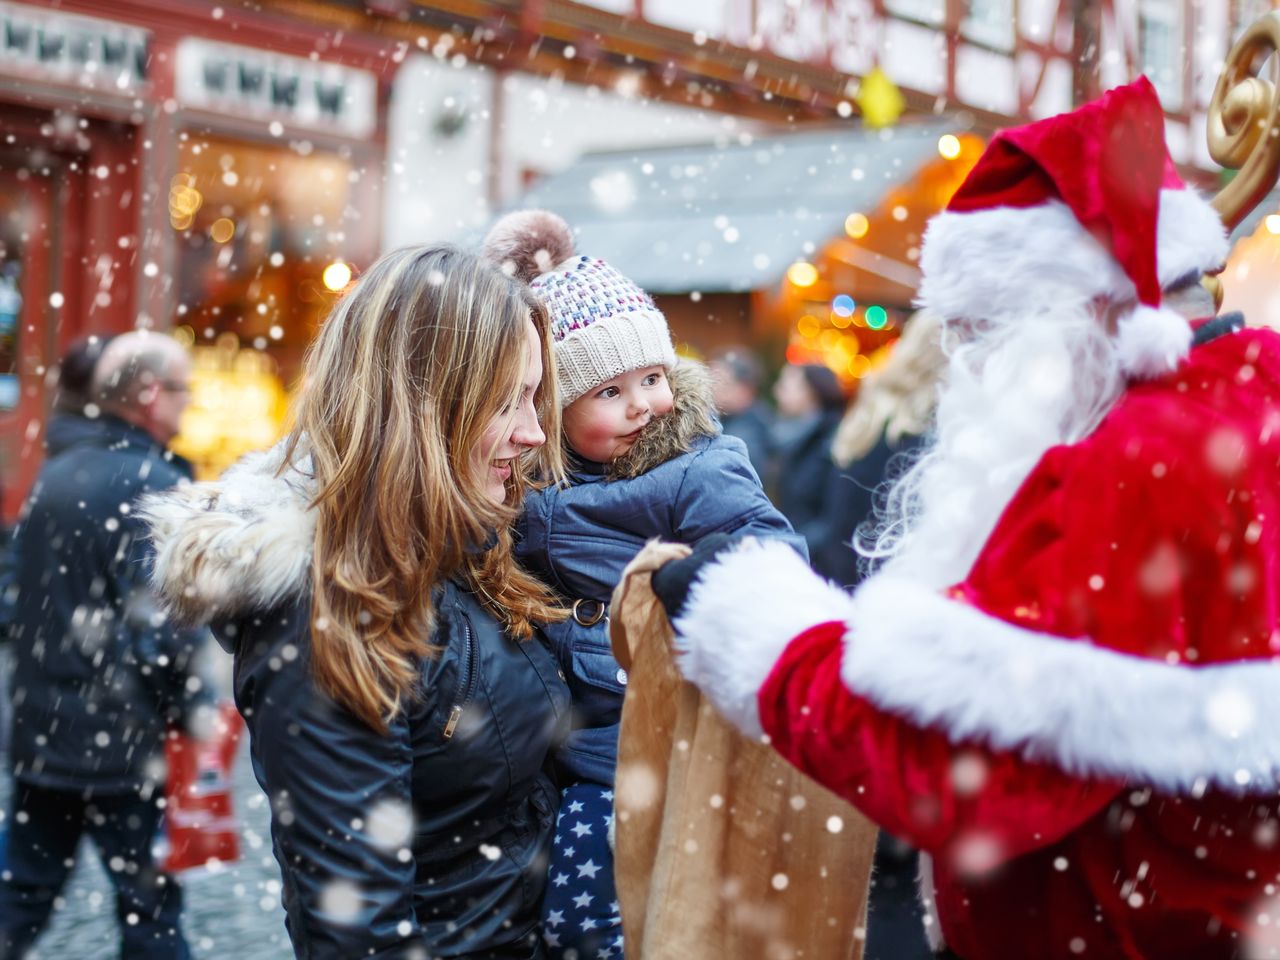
(821, 453)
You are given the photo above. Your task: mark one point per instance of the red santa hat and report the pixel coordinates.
(1077, 206)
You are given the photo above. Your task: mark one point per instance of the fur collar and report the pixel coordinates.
(244, 542)
(239, 544)
(672, 434)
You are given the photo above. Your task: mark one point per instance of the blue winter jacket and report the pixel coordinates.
(682, 481)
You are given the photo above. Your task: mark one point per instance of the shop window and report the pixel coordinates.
(260, 231)
(1160, 48)
(989, 22)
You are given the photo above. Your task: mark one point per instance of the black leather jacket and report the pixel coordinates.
(435, 833)
(429, 840)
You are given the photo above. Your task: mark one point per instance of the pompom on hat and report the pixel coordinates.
(1082, 205)
(603, 325)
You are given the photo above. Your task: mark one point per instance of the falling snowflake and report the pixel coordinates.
(341, 900)
(1230, 713)
(638, 786)
(390, 824)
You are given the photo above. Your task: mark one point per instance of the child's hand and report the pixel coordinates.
(672, 581)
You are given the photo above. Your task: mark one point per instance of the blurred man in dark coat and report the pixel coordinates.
(98, 671)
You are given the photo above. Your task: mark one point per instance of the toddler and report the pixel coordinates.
(646, 459)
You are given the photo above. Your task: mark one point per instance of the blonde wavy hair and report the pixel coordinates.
(405, 376)
(900, 397)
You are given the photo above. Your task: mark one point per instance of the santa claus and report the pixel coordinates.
(1061, 683)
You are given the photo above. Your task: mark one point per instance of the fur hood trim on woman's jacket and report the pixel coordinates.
(244, 542)
(241, 543)
(672, 434)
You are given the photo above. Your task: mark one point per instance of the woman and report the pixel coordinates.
(878, 439)
(810, 402)
(399, 705)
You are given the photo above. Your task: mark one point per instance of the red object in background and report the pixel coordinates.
(200, 824)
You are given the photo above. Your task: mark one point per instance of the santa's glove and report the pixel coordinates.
(672, 581)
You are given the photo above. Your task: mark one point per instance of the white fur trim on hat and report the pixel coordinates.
(1152, 341)
(595, 354)
(1191, 236)
(1033, 259)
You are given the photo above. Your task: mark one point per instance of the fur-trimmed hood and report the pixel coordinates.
(241, 543)
(668, 436)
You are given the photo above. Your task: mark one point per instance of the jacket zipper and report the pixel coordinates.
(467, 678)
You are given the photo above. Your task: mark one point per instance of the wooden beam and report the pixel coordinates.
(511, 34)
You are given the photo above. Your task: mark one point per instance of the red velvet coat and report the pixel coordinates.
(1085, 733)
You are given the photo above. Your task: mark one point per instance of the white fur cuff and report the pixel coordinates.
(745, 607)
(1089, 711)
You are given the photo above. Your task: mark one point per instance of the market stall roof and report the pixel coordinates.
(729, 217)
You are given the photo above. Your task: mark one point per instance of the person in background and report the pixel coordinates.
(646, 459)
(65, 425)
(810, 402)
(876, 441)
(98, 671)
(736, 376)
(75, 378)
(401, 705)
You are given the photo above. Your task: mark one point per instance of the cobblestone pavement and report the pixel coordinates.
(232, 912)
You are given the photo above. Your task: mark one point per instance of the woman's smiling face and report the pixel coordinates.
(512, 431)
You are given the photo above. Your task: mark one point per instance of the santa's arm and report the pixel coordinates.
(832, 682)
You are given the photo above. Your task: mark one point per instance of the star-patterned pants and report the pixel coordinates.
(580, 915)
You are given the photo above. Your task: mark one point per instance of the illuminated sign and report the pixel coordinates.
(92, 53)
(246, 82)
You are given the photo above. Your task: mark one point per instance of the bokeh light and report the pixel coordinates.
(336, 275)
(877, 317)
(949, 146)
(856, 225)
(1272, 223)
(222, 229)
(184, 201)
(802, 274)
(843, 305)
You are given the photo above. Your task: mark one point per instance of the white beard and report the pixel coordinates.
(1023, 385)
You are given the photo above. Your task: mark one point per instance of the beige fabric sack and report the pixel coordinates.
(723, 849)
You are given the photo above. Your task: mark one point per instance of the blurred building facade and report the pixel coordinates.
(219, 168)
(178, 166)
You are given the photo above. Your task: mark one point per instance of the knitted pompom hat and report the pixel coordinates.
(603, 325)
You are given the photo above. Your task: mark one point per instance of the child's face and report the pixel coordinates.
(606, 421)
